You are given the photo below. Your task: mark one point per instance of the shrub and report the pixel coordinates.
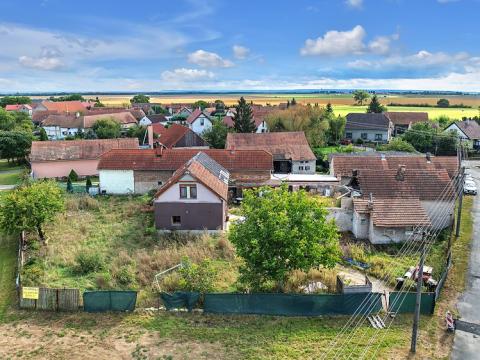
(73, 176)
(125, 276)
(197, 277)
(88, 262)
(359, 141)
(104, 281)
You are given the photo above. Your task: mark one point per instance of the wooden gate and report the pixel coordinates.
(52, 300)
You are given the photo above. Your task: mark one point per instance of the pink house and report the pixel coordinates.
(55, 159)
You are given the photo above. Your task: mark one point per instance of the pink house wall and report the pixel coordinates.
(58, 168)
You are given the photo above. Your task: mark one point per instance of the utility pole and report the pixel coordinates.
(460, 202)
(418, 300)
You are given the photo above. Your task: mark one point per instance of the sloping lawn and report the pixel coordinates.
(8, 261)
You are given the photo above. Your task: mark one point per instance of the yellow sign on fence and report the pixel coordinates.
(30, 293)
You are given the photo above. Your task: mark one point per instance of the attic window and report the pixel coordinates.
(188, 191)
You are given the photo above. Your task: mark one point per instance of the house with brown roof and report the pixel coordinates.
(59, 126)
(291, 151)
(139, 171)
(199, 121)
(194, 198)
(368, 127)
(177, 136)
(69, 107)
(402, 121)
(468, 131)
(343, 165)
(55, 159)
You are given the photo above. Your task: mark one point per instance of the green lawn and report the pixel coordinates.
(8, 261)
(10, 178)
(433, 112)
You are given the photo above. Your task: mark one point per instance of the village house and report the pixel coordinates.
(468, 131)
(260, 124)
(199, 121)
(68, 107)
(60, 126)
(194, 198)
(142, 170)
(343, 165)
(402, 121)
(368, 127)
(177, 136)
(55, 159)
(290, 150)
(25, 108)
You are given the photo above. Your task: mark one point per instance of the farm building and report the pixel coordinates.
(139, 171)
(194, 198)
(55, 159)
(290, 150)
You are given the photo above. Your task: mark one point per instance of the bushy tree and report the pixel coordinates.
(336, 128)
(360, 96)
(140, 99)
(443, 103)
(30, 206)
(140, 132)
(107, 129)
(421, 136)
(15, 120)
(13, 100)
(43, 135)
(71, 97)
(397, 144)
(69, 185)
(293, 102)
(375, 106)
(157, 109)
(15, 145)
(282, 231)
(328, 109)
(200, 104)
(243, 119)
(443, 121)
(73, 176)
(88, 184)
(216, 136)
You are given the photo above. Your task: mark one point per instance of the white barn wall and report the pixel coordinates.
(117, 181)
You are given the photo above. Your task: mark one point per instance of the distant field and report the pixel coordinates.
(452, 113)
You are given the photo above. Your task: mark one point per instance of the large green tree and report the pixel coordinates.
(360, 96)
(140, 132)
(13, 100)
(15, 145)
(282, 231)
(443, 103)
(107, 129)
(375, 106)
(30, 207)
(71, 97)
(243, 119)
(421, 136)
(200, 104)
(336, 128)
(397, 144)
(216, 136)
(140, 99)
(15, 120)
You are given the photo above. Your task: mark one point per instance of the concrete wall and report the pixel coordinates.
(357, 134)
(59, 168)
(360, 225)
(343, 218)
(194, 216)
(296, 165)
(117, 181)
(381, 235)
(441, 214)
(149, 180)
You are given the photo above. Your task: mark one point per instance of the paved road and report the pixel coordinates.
(466, 345)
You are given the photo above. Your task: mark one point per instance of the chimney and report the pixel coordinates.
(150, 135)
(400, 173)
(354, 173)
(370, 201)
(429, 157)
(383, 157)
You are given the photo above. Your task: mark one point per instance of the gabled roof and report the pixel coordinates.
(40, 115)
(344, 164)
(423, 184)
(470, 128)
(367, 121)
(157, 118)
(195, 114)
(64, 106)
(407, 117)
(282, 145)
(204, 169)
(16, 107)
(63, 120)
(171, 135)
(124, 117)
(393, 212)
(77, 149)
(228, 120)
(172, 159)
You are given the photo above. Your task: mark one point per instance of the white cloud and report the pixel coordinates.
(354, 3)
(208, 59)
(186, 75)
(41, 63)
(336, 43)
(380, 45)
(240, 52)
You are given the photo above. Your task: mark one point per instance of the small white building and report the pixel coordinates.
(198, 121)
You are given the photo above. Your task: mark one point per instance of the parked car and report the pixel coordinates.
(470, 188)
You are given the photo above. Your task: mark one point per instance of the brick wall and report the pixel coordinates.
(148, 180)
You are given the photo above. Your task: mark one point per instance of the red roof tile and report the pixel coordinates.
(282, 145)
(407, 117)
(77, 149)
(64, 106)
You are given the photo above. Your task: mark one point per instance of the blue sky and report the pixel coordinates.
(106, 45)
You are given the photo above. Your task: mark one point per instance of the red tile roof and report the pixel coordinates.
(171, 135)
(124, 118)
(11, 107)
(172, 159)
(203, 174)
(282, 145)
(39, 116)
(64, 106)
(393, 212)
(194, 115)
(423, 184)
(407, 117)
(77, 149)
(343, 165)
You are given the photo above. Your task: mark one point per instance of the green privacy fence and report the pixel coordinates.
(405, 302)
(101, 301)
(180, 300)
(291, 304)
